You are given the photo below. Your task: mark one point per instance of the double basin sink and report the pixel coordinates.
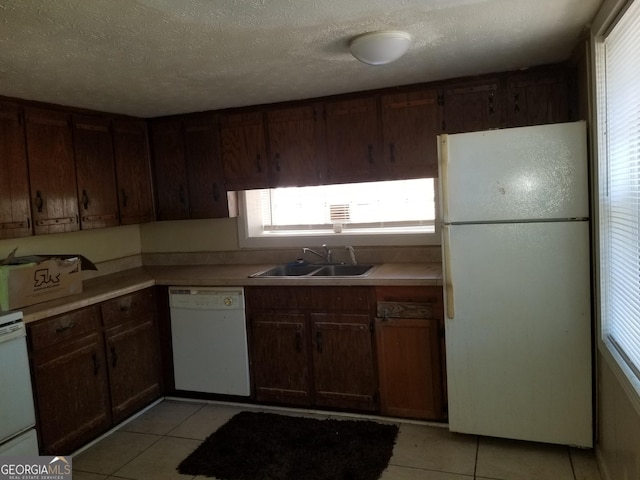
(315, 270)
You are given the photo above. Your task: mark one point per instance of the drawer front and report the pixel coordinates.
(52, 331)
(137, 305)
(339, 299)
(325, 299)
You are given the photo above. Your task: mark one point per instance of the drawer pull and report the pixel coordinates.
(319, 341)
(64, 328)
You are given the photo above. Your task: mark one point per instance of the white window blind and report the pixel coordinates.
(619, 173)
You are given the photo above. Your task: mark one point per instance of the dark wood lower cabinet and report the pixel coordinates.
(409, 363)
(343, 365)
(410, 349)
(313, 346)
(281, 359)
(72, 394)
(92, 369)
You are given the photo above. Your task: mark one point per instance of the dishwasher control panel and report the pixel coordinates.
(206, 298)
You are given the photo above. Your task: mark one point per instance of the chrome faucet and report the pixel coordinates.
(352, 254)
(327, 253)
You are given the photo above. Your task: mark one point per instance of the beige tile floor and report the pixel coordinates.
(152, 445)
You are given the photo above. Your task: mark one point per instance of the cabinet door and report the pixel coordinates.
(244, 151)
(343, 367)
(280, 358)
(409, 368)
(409, 129)
(15, 214)
(170, 168)
(95, 172)
(133, 174)
(538, 98)
(207, 193)
(131, 338)
(54, 201)
(132, 354)
(353, 147)
(471, 107)
(70, 379)
(295, 142)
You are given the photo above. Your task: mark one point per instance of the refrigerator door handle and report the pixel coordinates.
(450, 307)
(443, 158)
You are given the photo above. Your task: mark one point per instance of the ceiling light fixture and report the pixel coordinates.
(379, 48)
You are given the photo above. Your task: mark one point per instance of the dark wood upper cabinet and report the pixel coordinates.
(410, 125)
(133, 173)
(296, 141)
(52, 175)
(15, 212)
(538, 97)
(167, 144)
(207, 192)
(244, 151)
(95, 172)
(473, 105)
(353, 140)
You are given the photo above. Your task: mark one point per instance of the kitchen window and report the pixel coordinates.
(399, 212)
(618, 168)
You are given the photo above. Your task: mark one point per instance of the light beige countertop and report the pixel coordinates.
(104, 288)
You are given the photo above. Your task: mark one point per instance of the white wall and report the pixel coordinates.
(214, 235)
(97, 245)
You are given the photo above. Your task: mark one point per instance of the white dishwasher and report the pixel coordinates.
(209, 336)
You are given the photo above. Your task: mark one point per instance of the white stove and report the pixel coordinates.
(17, 413)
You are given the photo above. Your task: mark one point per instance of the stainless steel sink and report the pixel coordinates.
(287, 271)
(307, 271)
(342, 271)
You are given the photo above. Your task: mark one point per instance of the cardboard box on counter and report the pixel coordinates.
(34, 279)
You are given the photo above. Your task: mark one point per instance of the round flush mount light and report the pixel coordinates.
(379, 48)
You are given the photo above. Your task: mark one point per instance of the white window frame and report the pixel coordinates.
(604, 22)
(250, 236)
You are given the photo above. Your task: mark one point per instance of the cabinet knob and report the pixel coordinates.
(39, 201)
(85, 200)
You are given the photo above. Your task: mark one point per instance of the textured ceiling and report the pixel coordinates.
(157, 57)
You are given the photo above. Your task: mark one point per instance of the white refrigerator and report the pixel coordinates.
(515, 226)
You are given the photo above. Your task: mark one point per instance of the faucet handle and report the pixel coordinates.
(352, 254)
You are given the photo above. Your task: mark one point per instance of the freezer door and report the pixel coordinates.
(525, 173)
(518, 331)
